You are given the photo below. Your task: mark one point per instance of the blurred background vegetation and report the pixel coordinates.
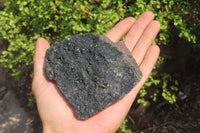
(23, 21)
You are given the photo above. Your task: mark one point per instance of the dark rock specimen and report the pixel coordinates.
(91, 71)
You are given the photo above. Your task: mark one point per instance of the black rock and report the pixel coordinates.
(91, 72)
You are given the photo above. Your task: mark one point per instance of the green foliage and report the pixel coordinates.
(23, 21)
(124, 128)
(168, 89)
(163, 84)
(31, 101)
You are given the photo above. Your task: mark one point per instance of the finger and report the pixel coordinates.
(137, 29)
(119, 30)
(149, 60)
(41, 47)
(145, 41)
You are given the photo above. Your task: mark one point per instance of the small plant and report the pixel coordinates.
(31, 100)
(124, 128)
(168, 89)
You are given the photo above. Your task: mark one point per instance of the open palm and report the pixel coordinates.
(56, 113)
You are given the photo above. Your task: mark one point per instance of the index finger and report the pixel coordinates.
(120, 29)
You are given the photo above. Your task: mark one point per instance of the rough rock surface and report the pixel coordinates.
(91, 72)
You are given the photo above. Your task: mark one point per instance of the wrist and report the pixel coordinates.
(47, 129)
(55, 129)
(51, 129)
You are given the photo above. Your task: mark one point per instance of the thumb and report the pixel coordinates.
(40, 51)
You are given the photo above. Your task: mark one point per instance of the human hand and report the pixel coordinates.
(56, 113)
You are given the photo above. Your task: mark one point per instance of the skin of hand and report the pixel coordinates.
(57, 114)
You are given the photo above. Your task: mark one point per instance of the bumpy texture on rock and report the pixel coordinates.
(91, 71)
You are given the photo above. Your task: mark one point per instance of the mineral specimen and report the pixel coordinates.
(91, 72)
